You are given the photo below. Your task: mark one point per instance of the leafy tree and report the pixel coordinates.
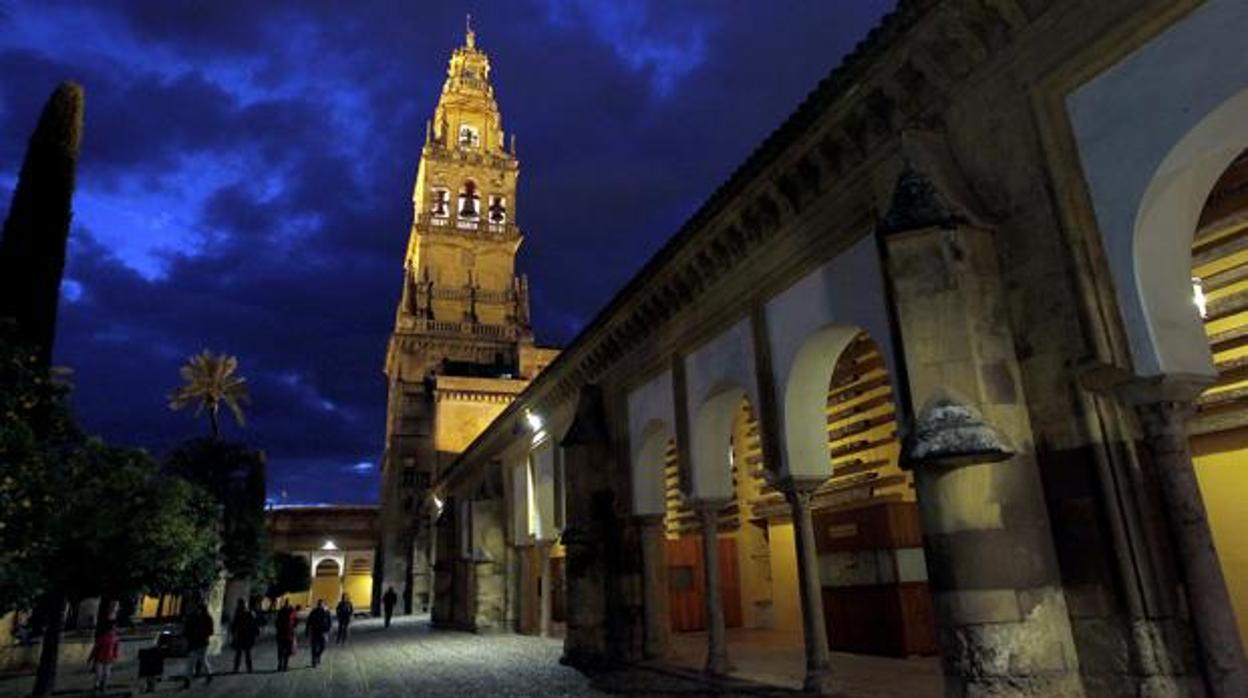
(209, 382)
(234, 474)
(291, 574)
(36, 433)
(32, 249)
(121, 526)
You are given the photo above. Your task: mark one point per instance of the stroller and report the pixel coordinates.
(152, 659)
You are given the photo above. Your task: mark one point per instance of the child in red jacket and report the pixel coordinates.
(105, 652)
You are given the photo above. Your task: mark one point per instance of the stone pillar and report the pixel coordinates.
(88, 609)
(545, 605)
(215, 601)
(1164, 405)
(717, 637)
(236, 589)
(818, 662)
(1001, 609)
(489, 565)
(654, 580)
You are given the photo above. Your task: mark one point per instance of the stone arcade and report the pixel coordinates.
(916, 379)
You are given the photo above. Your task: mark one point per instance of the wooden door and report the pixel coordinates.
(530, 590)
(686, 577)
(730, 582)
(558, 590)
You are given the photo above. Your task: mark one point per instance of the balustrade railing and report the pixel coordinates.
(477, 329)
(468, 225)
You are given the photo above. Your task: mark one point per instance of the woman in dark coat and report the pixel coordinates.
(243, 632)
(285, 624)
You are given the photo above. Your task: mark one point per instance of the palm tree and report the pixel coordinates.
(210, 381)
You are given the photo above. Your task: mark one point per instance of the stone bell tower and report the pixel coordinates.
(462, 346)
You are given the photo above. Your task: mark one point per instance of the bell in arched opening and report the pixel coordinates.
(469, 200)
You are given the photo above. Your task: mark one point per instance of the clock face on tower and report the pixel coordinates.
(468, 136)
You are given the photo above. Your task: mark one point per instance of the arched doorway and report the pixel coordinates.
(326, 582)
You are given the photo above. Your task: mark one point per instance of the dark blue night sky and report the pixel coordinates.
(246, 174)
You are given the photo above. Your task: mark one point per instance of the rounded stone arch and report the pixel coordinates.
(1165, 225)
(806, 401)
(339, 560)
(712, 442)
(1153, 132)
(327, 562)
(649, 491)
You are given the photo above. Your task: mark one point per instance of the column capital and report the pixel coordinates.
(1166, 388)
(1164, 403)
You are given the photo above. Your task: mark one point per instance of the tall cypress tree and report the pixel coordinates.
(32, 249)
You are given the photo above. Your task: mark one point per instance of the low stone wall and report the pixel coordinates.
(74, 650)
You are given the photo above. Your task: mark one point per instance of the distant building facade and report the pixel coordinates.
(339, 542)
(462, 346)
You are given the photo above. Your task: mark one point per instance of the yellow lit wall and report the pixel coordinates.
(753, 556)
(327, 588)
(1222, 469)
(360, 588)
(150, 604)
(786, 604)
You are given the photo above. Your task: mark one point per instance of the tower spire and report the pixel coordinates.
(470, 36)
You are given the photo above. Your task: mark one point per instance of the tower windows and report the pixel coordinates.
(469, 201)
(469, 137)
(440, 202)
(498, 209)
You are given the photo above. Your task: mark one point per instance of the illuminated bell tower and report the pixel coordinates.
(462, 324)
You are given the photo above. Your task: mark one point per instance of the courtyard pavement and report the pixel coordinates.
(778, 658)
(408, 659)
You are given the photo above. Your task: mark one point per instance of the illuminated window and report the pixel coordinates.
(469, 137)
(1198, 297)
(469, 201)
(439, 202)
(498, 210)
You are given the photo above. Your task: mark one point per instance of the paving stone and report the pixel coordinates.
(408, 659)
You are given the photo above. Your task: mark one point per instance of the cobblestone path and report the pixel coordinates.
(408, 659)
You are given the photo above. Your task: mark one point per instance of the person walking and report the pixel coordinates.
(319, 625)
(285, 623)
(387, 603)
(197, 630)
(344, 612)
(104, 653)
(243, 631)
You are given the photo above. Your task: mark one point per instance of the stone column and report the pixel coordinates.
(818, 663)
(654, 579)
(545, 605)
(717, 637)
(1164, 405)
(996, 586)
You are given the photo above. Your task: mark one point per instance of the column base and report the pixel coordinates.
(819, 681)
(718, 665)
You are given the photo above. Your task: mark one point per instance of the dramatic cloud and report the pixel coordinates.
(246, 177)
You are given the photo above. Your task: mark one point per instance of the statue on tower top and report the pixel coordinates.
(471, 38)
